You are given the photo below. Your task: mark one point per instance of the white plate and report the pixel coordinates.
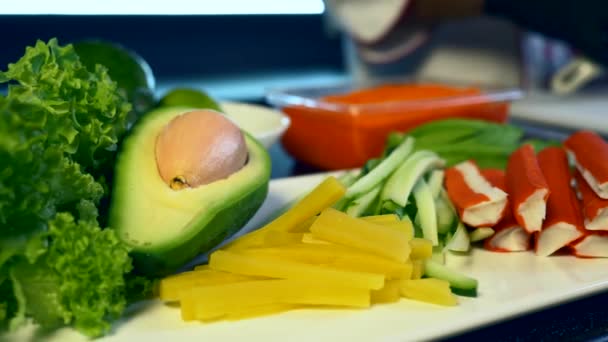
(510, 284)
(264, 123)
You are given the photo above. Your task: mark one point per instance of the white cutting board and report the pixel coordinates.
(586, 110)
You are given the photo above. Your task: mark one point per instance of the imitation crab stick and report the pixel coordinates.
(564, 222)
(595, 208)
(590, 153)
(527, 189)
(479, 203)
(592, 245)
(509, 236)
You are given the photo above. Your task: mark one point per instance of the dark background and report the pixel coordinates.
(194, 48)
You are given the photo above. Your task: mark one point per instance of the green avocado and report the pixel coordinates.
(166, 228)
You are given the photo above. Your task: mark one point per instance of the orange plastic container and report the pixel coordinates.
(342, 127)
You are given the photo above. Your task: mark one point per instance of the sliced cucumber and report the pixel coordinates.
(382, 171)
(446, 218)
(349, 178)
(426, 211)
(400, 184)
(460, 241)
(359, 205)
(460, 283)
(435, 182)
(481, 233)
(438, 253)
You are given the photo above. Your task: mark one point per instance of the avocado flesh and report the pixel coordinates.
(166, 228)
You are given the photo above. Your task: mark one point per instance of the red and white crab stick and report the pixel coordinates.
(527, 188)
(509, 236)
(479, 203)
(595, 208)
(592, 245)
(590, 153)
(564, 222)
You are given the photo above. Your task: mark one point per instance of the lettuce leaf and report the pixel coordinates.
(60, 125)
(81, 110)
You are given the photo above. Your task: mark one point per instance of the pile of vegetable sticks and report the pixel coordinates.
(305, 259)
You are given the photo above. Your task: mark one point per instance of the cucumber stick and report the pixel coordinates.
(426, 211)
(382, 171)
(460, 241)
(446, 217)
(460, 283)
(399, 185)
(438, 253)
(435, 182)
(481, 233)
(348, 178)
(359, 205)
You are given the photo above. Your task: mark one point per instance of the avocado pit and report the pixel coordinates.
(199, 147)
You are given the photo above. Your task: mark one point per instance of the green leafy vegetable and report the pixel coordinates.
(60, 126)
(457, 140)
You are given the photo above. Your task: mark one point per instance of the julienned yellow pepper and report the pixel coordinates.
(323, 196)
(212, 302)
(335, 226)
(429, 290)
(268, 266)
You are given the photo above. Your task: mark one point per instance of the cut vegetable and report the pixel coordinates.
(459, 282)
(421, 249)
(399, 185)
(460, 241)
(404, 226)
(278, 238)
(259, 311)
(324, 195)
(480, 234)
(564, 222)
(360, 205)
(590, 153)
(429, 290)
(308, 238)
(527, 188)
(382, 219)
(595, 208)
(371, 180)
(390, 293)
(337, 227)
(426, 211)
(171, 288)
(304, 227)
(479, 203)
(439, 253)
(258, 265)
(447, 218)
(213, 302)
(417, 269)
(336, 256)
(435, 182)
(348, 178)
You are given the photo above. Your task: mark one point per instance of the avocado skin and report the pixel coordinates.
(227, 215)
(225, 223)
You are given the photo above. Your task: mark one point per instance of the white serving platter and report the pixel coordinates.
(510, 285)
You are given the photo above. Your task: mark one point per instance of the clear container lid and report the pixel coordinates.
(313, 97)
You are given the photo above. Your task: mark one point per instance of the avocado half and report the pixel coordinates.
(166, 228)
